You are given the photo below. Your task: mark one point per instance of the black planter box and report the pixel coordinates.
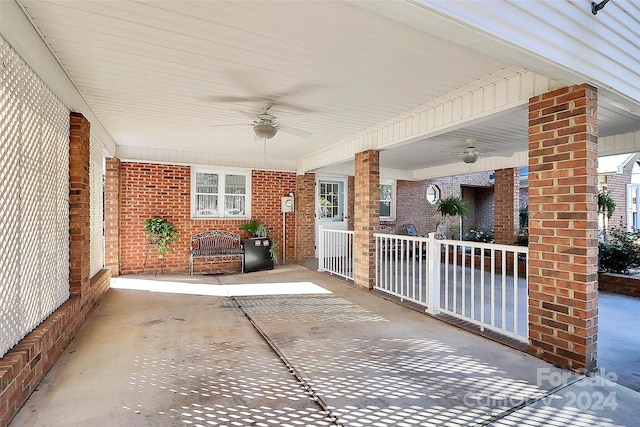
(256, 254)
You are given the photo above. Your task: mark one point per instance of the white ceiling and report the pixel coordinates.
(190, 75)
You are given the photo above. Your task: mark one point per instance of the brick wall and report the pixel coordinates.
(305, 217)
(619, 284)
(367, 216)
(413, 208)
(617, 185)
(150, 190)
(112, 216)
(507, 200)
(23, 367)
(563, 226)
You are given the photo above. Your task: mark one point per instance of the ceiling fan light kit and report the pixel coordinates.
(470, 157)
(265, 130)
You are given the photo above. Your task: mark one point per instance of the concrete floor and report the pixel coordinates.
(618, 338)
(182, 350)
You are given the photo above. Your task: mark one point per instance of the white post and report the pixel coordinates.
(433, 278)
(321, 248)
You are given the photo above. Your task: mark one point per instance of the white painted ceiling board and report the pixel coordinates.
(157, 74)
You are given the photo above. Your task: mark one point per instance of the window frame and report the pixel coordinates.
(221, 193)
(340, 197)
(392, 210)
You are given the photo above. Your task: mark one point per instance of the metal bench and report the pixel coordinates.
(216, 245)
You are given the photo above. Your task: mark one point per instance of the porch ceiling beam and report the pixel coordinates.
(519, 159)
(619, 144)
(499, 93)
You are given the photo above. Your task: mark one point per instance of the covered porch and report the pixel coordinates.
(301, 115)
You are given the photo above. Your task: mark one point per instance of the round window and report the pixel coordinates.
(433, 194)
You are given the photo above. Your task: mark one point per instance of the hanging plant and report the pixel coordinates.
(451, 206)
(162, 235)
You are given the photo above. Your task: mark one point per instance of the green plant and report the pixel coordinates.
(479, 233)
(452, 206)
(606, 204)
(257, 229)
(620, 252)
(162, 234)
(254, 228)
(524, 216)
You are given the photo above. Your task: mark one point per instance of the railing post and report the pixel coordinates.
(320, 248)
(433, 277)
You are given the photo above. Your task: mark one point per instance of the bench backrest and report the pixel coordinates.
(215, 239)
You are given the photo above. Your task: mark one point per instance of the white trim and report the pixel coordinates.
(221, 172)
(497, 94)
(392, 183)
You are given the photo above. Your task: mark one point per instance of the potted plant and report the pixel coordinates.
(451, 206)
(162, 235)
(256, 229)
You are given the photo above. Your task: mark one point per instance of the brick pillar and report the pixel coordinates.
(79, 234)
(305, 217)
(112, 216)
(351, 194)
(506, 205)
(563, 227)
(367, 216)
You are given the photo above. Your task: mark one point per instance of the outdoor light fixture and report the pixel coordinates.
(470, 157)
(265, 130)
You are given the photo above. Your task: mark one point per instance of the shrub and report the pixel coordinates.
(620, 251)
(478, 233)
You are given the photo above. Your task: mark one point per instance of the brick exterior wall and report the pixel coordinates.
(507, 200)
(23, 367)
(112, 216)
(367, 216)
(413, 207)
(305, 217)
(619, 284)
(79, 204)
(563, 249)
(617, 184)
(150, 190)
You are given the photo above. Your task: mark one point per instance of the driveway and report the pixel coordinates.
(293, 347)
(618, 338)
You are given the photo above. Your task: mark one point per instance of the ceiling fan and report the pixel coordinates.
(265, 124)
(266, 127)
(470, 153)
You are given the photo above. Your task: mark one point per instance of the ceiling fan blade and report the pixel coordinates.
(293, 131)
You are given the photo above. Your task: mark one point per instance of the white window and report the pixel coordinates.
(387, 198)
(220, 194)
(331, 201)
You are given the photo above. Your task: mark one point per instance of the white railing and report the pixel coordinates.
(482, 283)
(335, 252)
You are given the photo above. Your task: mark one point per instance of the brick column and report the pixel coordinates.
(506, 205)
(79, 219)
(367, 216)
(563, 227)
(305, 205)
(112, 216)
